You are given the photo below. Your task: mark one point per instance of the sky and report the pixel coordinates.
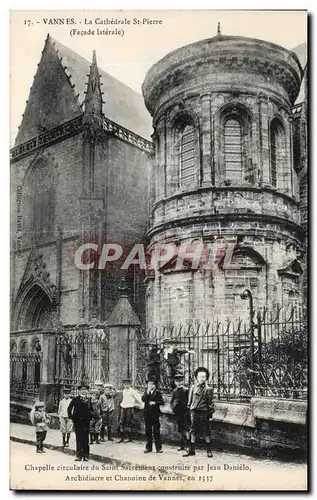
(129, 57)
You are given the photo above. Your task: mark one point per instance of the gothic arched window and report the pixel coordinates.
(233, 150)
(40, 198)
(43, 203)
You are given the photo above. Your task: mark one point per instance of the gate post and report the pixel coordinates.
(122, 325)
(47, 380)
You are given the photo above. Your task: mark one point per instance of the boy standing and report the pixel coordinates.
(130, 399)
(96, 420)
(80, 411)
(152, 399)
(201, 406)
(107, 410)
(40, 419)
(179, 402)
(66, 424)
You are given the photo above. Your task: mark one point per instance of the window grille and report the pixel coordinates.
(233, 150)
(187, 156)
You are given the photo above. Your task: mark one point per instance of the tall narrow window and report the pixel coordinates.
(187, 155)
(233, 150)
(43, 203)
(279, 172)
(39, 202)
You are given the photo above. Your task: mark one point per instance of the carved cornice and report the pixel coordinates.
(127, 135)
(75, 126)
(51, 136)
(224, 189)
(239, 54)
(221, 218)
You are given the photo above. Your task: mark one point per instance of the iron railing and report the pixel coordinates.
(80, 357)
(265, 357)
(25, 375)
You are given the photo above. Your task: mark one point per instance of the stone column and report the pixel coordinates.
(47, 387)
(217, 155)
(206, 140)
(264, 139)
(290, 158)
(122, 325)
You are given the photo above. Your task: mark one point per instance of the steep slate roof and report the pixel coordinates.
(122, 105)
(123, 314)
(301, 52)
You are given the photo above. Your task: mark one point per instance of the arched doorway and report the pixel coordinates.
(31, 315)
(34, 310)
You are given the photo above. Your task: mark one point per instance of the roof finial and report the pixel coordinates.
(94, 57)
(93, 99)
(123, 289)
(218, 29)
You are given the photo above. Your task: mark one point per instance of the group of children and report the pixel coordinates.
(92, 414)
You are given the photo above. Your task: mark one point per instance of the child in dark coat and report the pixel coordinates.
(80, 411)
(179, 402)
(96, 419)
(152, 399)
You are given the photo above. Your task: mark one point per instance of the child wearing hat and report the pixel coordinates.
(40, 420)
(130, 399)
(201, 407)
(179, 402)
(107, 406)
(80, 411)
(96, 420)
(152, 399)
(66, 424)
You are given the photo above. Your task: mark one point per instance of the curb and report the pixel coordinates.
(92, 456)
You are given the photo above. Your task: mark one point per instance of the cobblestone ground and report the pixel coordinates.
(125, 467)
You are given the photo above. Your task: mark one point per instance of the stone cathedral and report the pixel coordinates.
(229, 119)
(214, 153)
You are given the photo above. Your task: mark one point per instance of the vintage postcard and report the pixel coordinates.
(158, 170)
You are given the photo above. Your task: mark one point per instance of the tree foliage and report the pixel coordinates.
(276, 367)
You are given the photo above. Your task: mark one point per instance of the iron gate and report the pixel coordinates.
(81, 357)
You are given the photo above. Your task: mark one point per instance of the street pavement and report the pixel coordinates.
(125, 467)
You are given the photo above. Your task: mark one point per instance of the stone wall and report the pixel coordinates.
(233, 80)
(177, 296)
(268, 427)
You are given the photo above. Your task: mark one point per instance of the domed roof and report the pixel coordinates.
(301, 52)
(236, 53)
